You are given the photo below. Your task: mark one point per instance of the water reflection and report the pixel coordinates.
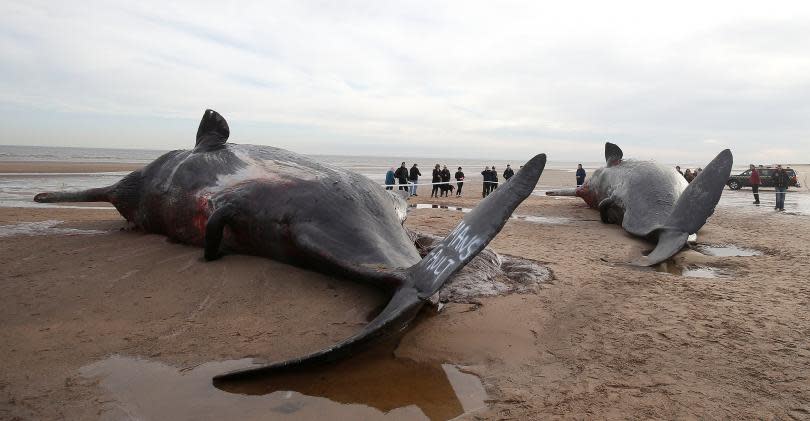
(689, 271)
(370, 385)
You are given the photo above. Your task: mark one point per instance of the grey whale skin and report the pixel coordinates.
(653, 201)
(267, 201)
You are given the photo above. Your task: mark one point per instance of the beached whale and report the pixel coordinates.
(653, 201)
(267, 201)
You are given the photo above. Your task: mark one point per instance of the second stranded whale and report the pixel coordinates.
(267, 201)
(653, 201)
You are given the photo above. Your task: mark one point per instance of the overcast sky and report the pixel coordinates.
(671, 81)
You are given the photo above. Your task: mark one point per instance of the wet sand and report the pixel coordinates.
(604, 340)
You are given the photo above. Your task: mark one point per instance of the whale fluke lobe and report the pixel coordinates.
(213, 132)
(425, 278)
(693, 208)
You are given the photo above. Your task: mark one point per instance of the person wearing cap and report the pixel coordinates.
(459, 176)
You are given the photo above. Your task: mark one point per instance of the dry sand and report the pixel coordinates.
(604, 340)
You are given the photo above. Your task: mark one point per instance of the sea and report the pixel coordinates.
(18, 189)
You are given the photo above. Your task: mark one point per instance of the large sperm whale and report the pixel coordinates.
(267, 201)
(653, 201)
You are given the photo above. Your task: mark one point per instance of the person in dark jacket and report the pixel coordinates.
(508, 172)
(390, 180)
(414, 178)
(437, 178)
(446, 187)
(487, 174)
(688, 175)
(459, 176)
(754, 180)
(494, 178)
(581, 175)
(780, 182)
(678, 168)
(402, 176)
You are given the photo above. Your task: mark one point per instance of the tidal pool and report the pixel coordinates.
(371, 385)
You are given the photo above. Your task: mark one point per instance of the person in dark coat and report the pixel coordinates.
(754, 180)
(402, 176)
(678, 168)
(459, 176)
(780, 182)
(446, 187)
(487, 174)
(494, 180)
(437, 178)
(390, 180)
(581, 175)
(414, 178)
(508, 172)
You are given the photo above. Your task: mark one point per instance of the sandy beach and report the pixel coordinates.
(602, 340)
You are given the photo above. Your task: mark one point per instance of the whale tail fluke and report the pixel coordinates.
(424, 279)
(695, 205)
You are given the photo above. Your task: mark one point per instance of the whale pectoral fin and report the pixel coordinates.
(670, 241)
(214, 229)
(610, 212)
(212, 133)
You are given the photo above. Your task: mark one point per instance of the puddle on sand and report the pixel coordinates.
(690, 271)
(527, 218)
(370, 385)
(728, 250)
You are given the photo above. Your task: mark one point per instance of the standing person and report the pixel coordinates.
(494, 178)
(445, 182)
(459, 176)
(678, 168)
(487, 173)
(580, 175)
(414, 177)
(437, 177)
(688, 175)
(389, 179)
(755, 183)
(780, 182)
(508, 172)
(402, 176)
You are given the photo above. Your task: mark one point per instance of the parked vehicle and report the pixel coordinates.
(736, 182)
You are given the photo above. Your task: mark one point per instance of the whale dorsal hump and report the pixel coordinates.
(213, 132)
(613, 154)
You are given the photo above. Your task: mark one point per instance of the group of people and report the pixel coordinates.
(408, 180)
(689, 174)
(781, 181)
(491, 178)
